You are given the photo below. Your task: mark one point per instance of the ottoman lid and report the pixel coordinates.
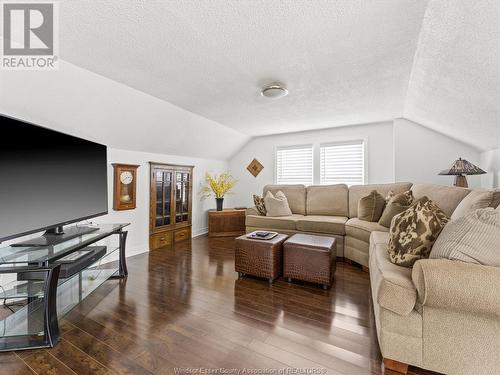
(312, 241)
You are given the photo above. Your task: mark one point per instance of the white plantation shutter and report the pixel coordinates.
(342, 163)
(294, 165)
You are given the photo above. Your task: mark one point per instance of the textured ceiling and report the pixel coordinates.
(344, 61)
(455, 81)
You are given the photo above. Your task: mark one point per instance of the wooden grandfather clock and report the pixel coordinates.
(125, 184)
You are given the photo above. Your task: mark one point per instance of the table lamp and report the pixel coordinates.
(460, 168)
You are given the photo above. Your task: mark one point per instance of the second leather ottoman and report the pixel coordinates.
(310, 258)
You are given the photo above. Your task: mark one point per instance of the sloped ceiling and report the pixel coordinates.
(455, 80)
(344, 61)
(78, 102)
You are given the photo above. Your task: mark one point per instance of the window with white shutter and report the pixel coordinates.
(294, 165)
(342, 163)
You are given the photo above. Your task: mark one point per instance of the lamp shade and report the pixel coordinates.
(462, 167)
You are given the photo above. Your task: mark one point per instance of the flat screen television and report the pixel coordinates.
(48, 179)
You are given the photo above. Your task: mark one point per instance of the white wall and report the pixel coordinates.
(490, 162)
(137, 240)
(378, 137)
(420, 154)
(399, 150)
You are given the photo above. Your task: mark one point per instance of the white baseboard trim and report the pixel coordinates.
(132, 250)
(200, 232)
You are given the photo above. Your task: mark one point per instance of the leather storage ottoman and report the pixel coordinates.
(310, 258)
(261, 258)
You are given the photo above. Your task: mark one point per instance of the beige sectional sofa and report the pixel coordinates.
(441, 315)
(327, 210)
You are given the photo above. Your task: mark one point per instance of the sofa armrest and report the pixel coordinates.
(251, 211)
(458, 286)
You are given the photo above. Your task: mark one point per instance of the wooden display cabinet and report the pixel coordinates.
(170, 212)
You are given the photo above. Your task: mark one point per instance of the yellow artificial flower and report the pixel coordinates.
(218, 185)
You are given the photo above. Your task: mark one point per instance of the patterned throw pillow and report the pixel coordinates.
(405, 198)
(259, 205)
(370, 207)
(414, 231)
(396, 203)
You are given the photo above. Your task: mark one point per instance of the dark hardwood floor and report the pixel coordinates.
(183, 307)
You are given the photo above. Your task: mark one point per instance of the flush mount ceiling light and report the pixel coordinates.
(274, 91)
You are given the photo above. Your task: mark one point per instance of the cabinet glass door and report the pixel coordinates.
(182, 196)
(163, 186)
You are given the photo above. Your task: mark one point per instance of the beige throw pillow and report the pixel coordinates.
(370, 207)
(475, 200)
(259, 205)
(414, 231)
(473, 238)
(396, 203)
(276, 205)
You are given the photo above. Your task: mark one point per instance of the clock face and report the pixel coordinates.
(126, 177)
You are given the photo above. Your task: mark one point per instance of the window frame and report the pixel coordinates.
(292, 147)
(362, 142)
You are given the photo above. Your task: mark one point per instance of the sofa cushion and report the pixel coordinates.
(273, 223)
(371, 206)
(322, 224)
(445, 197)
(473, 238)
(329, 200)
(296, 195)
(276, 205)
(414, 231)
(361, 230)
(356, 250)
(394, 289)
(356, 192)
(475, 200)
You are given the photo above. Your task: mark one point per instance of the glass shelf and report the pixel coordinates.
(45, 254)
(25, 289)
(28, 320)
(34, 325)
(78, 287)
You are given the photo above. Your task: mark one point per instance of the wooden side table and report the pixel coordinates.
(227, 223)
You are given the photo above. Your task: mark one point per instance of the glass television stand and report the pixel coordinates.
(50, 280)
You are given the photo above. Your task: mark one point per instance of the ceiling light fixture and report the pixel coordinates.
(274, 91)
